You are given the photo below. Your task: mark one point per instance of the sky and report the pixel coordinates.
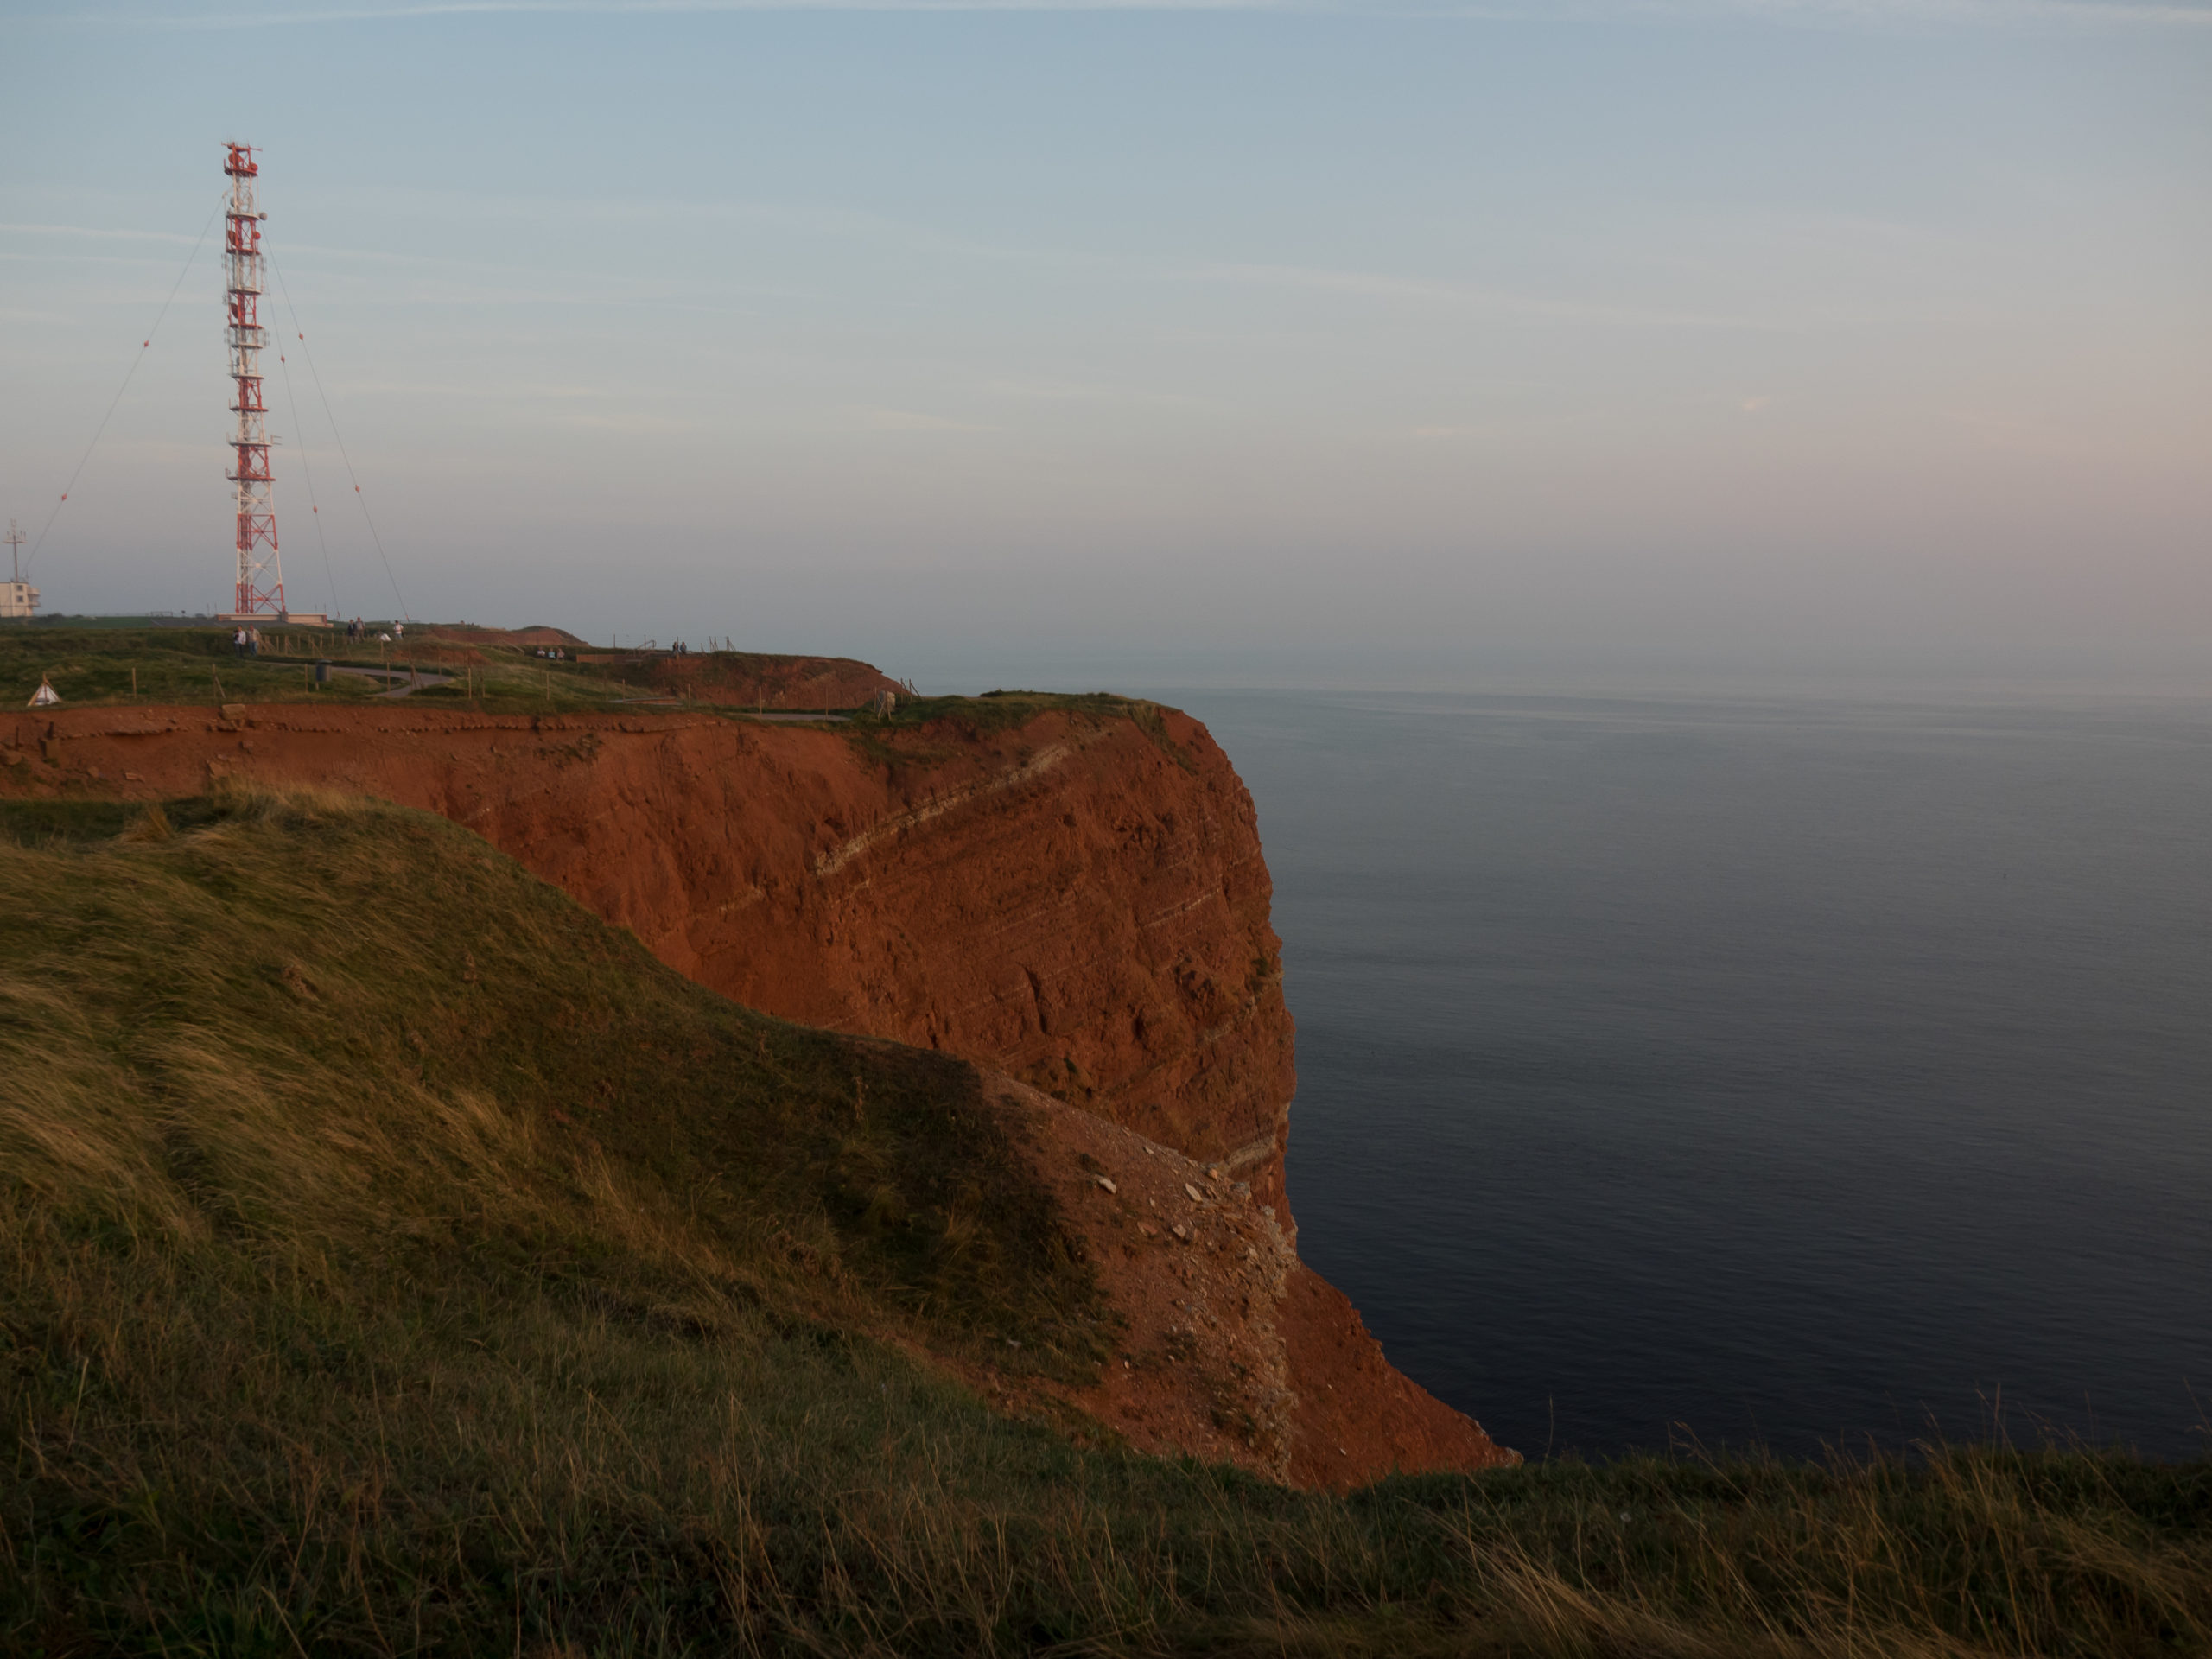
(1686, 342)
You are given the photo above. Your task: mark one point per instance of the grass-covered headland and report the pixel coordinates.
(188, 665)
(398, 1260)
(448, 666)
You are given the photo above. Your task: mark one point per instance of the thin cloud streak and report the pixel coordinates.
(15, 258)
(872, 419)
(105, 235)
(1378, 286)
(1881, 15)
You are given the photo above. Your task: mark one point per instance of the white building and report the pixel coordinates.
(17, 598)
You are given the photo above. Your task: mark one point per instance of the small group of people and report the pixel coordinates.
(246, 642)
(555, 653)
(358, 629)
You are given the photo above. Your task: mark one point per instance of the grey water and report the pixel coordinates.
(1741, 1072)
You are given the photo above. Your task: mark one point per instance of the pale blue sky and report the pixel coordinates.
(1386, 344)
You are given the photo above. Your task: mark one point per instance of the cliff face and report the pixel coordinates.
(1079, 901)
(1231, 1348)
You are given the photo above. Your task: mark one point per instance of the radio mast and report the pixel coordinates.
(261, 571)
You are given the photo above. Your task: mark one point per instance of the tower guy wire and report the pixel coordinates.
(314, 507)
(144, 346)
(307, 351)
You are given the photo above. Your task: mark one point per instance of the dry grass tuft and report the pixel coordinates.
(152, 825)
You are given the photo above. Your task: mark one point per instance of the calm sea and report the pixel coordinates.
(1778, 1072)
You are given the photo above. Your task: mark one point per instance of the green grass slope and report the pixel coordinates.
(163, 665)
(398, 1260)
(92, 665)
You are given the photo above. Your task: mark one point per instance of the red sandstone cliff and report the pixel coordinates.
(1079, 901)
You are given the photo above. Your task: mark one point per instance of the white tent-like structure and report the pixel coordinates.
(44, 696)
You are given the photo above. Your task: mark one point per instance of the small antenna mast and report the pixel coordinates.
(18, 599)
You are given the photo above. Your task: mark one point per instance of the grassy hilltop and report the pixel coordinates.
(479, 669)
(400, 1259)
(109, 666)
(173, 665)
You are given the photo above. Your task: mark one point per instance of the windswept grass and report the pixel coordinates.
(197, 666)
(395, 1259)
(163, 665)
(92, 666)
(303, 971)
(998, 711)
(880, 737)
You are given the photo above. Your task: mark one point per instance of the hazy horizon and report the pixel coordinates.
(1699, 346)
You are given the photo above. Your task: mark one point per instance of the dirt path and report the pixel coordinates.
(416, 679)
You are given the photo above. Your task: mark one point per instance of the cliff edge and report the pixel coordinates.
(1069, 891)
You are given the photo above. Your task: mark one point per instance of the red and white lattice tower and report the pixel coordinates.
(261, 572)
